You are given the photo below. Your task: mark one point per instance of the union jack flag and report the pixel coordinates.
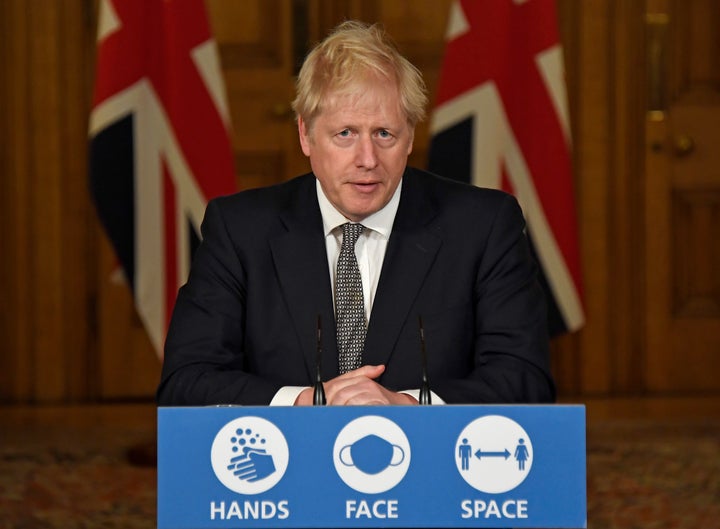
(159, 143)
(501, 121)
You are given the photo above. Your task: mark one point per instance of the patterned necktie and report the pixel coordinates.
(349, 304)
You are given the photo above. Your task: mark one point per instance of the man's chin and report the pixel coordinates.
(361, 207)
(358, 214)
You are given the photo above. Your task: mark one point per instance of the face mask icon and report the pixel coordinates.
(371, 454)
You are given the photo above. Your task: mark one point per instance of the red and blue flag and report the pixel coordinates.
(501, 121)
(160, 143)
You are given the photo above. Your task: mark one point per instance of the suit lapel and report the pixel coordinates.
(411, 251)
(301, 265)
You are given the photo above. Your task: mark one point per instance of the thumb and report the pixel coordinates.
(372, 371)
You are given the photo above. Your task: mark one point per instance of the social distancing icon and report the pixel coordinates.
(494, 454)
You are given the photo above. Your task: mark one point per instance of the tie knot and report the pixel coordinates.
(351, 232)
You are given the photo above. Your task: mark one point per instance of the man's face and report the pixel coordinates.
(358, 148)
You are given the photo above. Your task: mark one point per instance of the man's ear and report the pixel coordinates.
(304, 135)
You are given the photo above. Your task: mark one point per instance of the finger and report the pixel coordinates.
(348, 385)
(368, 371)
(362, 392)
(358, 377)
(367, 399)
(245, 467)
(246, 473)
(363, 373)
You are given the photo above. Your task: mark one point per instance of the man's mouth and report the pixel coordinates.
(365, 187)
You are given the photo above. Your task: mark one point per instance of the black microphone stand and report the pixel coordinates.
(425, 398)
(318, 389)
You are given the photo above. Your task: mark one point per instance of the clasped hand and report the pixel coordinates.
(357, 388)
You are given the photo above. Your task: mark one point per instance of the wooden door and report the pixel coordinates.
(262, 45)
(682, 185)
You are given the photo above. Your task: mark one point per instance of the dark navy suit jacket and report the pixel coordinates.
(245, 324)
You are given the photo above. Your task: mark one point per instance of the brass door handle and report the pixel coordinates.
(683, 145)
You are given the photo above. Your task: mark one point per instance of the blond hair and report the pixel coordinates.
(352, 52)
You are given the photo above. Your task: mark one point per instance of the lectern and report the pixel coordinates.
(394, 466)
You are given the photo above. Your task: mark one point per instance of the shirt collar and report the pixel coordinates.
(381, 221)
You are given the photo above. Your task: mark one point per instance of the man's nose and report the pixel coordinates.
(366, 156)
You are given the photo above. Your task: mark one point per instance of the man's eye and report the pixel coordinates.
(344, 133)
(384, 134)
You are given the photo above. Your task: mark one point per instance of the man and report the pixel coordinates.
(270, 275)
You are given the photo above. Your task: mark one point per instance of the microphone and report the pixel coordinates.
(425, 398)
(318, 389)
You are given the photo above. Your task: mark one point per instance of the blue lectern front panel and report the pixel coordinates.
(397, 466)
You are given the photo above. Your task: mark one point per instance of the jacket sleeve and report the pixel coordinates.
(204, 360)
(511, 344)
